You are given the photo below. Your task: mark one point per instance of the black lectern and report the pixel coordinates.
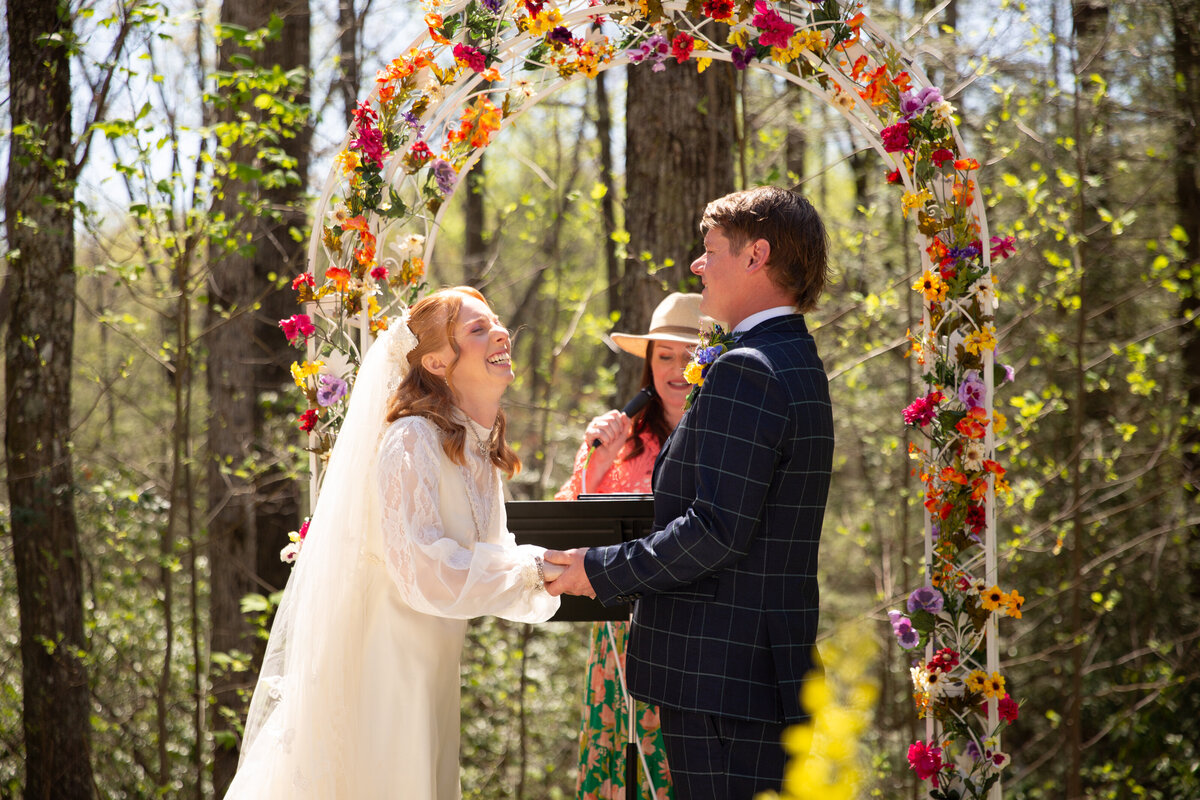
(591, 521)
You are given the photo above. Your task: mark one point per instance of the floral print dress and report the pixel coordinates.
(604, 729)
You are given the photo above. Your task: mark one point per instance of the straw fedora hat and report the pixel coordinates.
(677, 319)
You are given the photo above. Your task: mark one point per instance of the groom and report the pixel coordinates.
(725, 589)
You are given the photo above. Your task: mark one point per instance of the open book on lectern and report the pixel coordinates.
(593, 520)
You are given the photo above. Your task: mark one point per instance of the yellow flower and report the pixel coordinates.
(977, 342)
(994, 686)
(348, 161)
(912, 200)
(739, 37)
(992, 598)
(843, 100)
(546, 21)
(703, 64)
(692, 373)
(1012, 604)
(999, 422)
(932, 286)
(306, 370)
(976, 681)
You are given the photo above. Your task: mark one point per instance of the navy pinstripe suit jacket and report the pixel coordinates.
(725, 588)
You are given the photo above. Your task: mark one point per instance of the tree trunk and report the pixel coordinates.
(1185, 19)
(1094, 273)
(679, 146)
(251, 507)
(39, 221)
(608, 207)
(349, 25)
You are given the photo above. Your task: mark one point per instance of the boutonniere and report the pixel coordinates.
(712, 344)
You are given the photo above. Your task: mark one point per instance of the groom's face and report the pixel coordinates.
(722, 270)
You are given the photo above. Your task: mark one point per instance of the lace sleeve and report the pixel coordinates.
(434, 573)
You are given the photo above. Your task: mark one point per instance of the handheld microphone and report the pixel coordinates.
(635, 405)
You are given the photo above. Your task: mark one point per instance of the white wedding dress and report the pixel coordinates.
(358, 698)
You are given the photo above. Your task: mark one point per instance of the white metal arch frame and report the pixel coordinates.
(430, 117)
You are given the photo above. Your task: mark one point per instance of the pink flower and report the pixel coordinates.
(925, 761)
(379, 273)
(775, 30)
(296, 327)
(1007, 708)
(922, 410)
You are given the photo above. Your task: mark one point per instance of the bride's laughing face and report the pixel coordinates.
(484, 365)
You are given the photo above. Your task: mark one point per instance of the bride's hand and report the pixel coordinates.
(552, 571)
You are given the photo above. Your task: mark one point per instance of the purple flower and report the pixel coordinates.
(493, 6)
(964, 253)
(973, 751)
(741, 58)
(1010, 374)
(445, 176)
(330, 390)
(905, 633)
(926, 598)
(972, 390)
(913, 103)
(559, 35)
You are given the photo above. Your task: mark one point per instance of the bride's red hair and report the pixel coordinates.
(421, 393)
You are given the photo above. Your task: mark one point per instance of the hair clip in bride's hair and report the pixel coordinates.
(399, 341)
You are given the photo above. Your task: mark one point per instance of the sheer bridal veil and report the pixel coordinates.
(308, 689)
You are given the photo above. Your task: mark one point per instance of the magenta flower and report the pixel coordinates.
(1003, 247)
(922, 410)
(473, 57)
(925, 761)
(741, 58)
(775, 30)
(299, 326)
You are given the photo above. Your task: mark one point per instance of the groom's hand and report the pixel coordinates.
(574, 580)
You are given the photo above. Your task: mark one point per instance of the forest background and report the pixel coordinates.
(162, 158)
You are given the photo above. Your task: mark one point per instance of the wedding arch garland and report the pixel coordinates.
(481, 64)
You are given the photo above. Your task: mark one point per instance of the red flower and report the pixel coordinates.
(304, 279)
(379, 273)
(718, 9)
(943, 660)
(925, 761)
(893, 176)
(895, 137)
(681, 47)
(308, 420)
(1008, 708)
(941, 156)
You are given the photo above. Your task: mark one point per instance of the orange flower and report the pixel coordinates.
(951, 475)
(435, 22)
(966, 164)
(478, 123)
(964, 193)
(339, 276)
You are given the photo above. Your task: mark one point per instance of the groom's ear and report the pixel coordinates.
(760, 254)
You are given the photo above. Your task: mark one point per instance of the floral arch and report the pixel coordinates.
(482, 63)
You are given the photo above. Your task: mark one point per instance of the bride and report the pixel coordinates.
(358, 697)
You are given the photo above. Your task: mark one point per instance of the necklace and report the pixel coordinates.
(480, 445)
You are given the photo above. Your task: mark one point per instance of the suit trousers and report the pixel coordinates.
(722, 758)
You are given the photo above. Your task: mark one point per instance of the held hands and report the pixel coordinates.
(569, 577)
